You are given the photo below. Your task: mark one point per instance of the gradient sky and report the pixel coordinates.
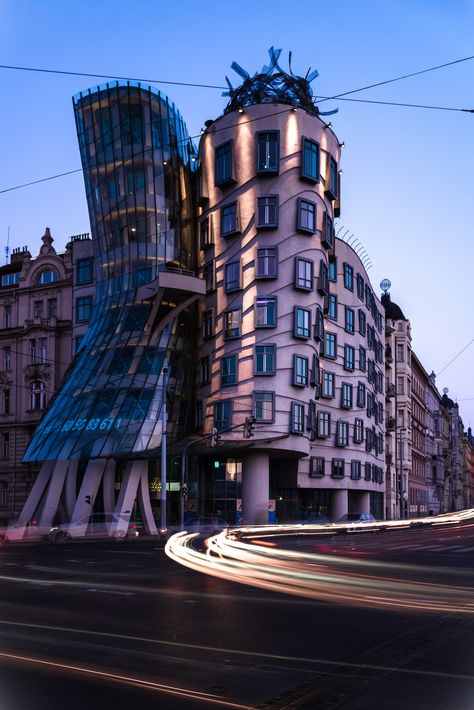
(408, 173)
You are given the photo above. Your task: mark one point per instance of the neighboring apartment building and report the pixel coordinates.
(470, 466)
(37, 297)
(456, 483)
(437, 442)
(398, 409)
(418, 486)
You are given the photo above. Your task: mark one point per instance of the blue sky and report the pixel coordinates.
(408, 173)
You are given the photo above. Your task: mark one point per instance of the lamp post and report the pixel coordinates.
(400, 479)
(163, 454)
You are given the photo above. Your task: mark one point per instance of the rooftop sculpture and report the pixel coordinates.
(273, 84)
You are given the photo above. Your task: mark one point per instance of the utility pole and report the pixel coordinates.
(163, 454)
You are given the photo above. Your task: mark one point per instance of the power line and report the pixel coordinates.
(398, 78)
(35, 182)
(396, 103)
(455, 357)
(109, 76)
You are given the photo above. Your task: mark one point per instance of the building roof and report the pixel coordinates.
(392, 310)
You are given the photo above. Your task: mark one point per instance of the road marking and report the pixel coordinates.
(110, 591)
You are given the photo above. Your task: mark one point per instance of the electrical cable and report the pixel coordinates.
(455, 357)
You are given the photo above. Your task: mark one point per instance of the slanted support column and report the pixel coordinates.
(339, 504)
(53, 494)
(255, 488)
(144, 501)
(108, 486)
(34, 498)
(89, 487)
(128, 492)
(71, 486)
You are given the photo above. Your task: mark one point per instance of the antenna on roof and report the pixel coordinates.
(7, 248)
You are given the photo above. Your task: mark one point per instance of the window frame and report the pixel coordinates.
(349, 358)
(348, 276)
(220, 423)
(346, 395)
(300, 378)
(232, 285)
(235, 228)
(227, 334)
(86, 304)
(271, 399)
(303, 333)
(264, 355)
(317, 467)
(230, 377)
(327, 238)
(269, 300)
(323, 424)
(297, 424)
(349, 320)
(307, 283)
(338, 468)
(270, 224)
(328, 377)
(273, 170)
(300, 227)
(228, 177)
(330, 337)
(309, 176)
(266, 259)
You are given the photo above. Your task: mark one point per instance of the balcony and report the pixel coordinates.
(388, 354)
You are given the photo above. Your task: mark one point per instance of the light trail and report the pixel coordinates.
(123, 679)
(335, 578)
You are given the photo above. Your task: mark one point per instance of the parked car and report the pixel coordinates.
(203, 525)
(357, 518)
(24, 531)
(96, 526)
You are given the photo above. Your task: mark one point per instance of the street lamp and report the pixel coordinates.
(400, 480)
(163, 454)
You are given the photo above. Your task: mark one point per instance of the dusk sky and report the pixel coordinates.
(407, 172)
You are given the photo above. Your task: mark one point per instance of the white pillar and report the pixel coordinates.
(89, 486)
(361, 501)
(339, 504)
(128, 492)
(108, 486)
(255, 489)
(53, 493)
(71, 487)
(34, 497)
(144, 500)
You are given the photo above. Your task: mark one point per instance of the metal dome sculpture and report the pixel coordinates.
(273, 84)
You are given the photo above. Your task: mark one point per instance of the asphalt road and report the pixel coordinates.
(119, 625)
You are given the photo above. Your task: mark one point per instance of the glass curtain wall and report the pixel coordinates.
(138, 170)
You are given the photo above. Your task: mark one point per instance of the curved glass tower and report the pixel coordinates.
(137, 162)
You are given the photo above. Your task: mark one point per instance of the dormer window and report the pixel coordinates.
(47, 276)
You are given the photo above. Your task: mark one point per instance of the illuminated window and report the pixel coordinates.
(264, 406)
(37, 395)
(268, 149)
(47, 276)
(265, 312)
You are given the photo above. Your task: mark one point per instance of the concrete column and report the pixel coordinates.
(361, 501)
(89, 487)
(339, 504)
(71, 480)
(108, 486)
(53, 493)
(255, 485)
(128, 492)
(34, 498)
(144, 501)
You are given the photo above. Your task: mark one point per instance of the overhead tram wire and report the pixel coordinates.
(455, 357)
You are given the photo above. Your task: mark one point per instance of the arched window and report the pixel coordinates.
(47, 277)
(38, 395)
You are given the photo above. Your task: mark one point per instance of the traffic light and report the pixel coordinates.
(248, 426)
(89, 500)
(215, 437)
(184, 490)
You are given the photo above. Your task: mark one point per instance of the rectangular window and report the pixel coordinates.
(400, 385)
(349, 357)
(332, 268)
(316, 467)
(83, 309)
(5, 445)
(348, 277)
(7, 316)
(7, 359)
(232, 321)
(358, 431)
(229, 220)
(300, 371)
(349, 320)
(268, 152)
(319, 325)
(306, 220)
(301, 322)
(342, 433)
(264, 406)
(361, 394)
(304, 274)
(33, 351)
(267, 212)
(328, 384)
(314, 380)
(362, 358)
(323, 425)
(43, 349)
(6, 401)
(265, 312)
(400, 352)
(232, 276)
(11, 279)
(228, 370)
(38, 309)
(267, 263)
(205, 370)
(309, 160)
(328, 232)
(84, 271)
(356, 469)
(362, 322)
(346, 396)
(330, 345)
(265, 359)
(207, 324)
(52, 307)
(323, 281)
(367, 471)
(297, 418)
(223, 164)
(209, 276)
(360, 287)
(370, 404)
(333, 179)
(337, 468)
(332, 311)
(206, 236)
(223, 414)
